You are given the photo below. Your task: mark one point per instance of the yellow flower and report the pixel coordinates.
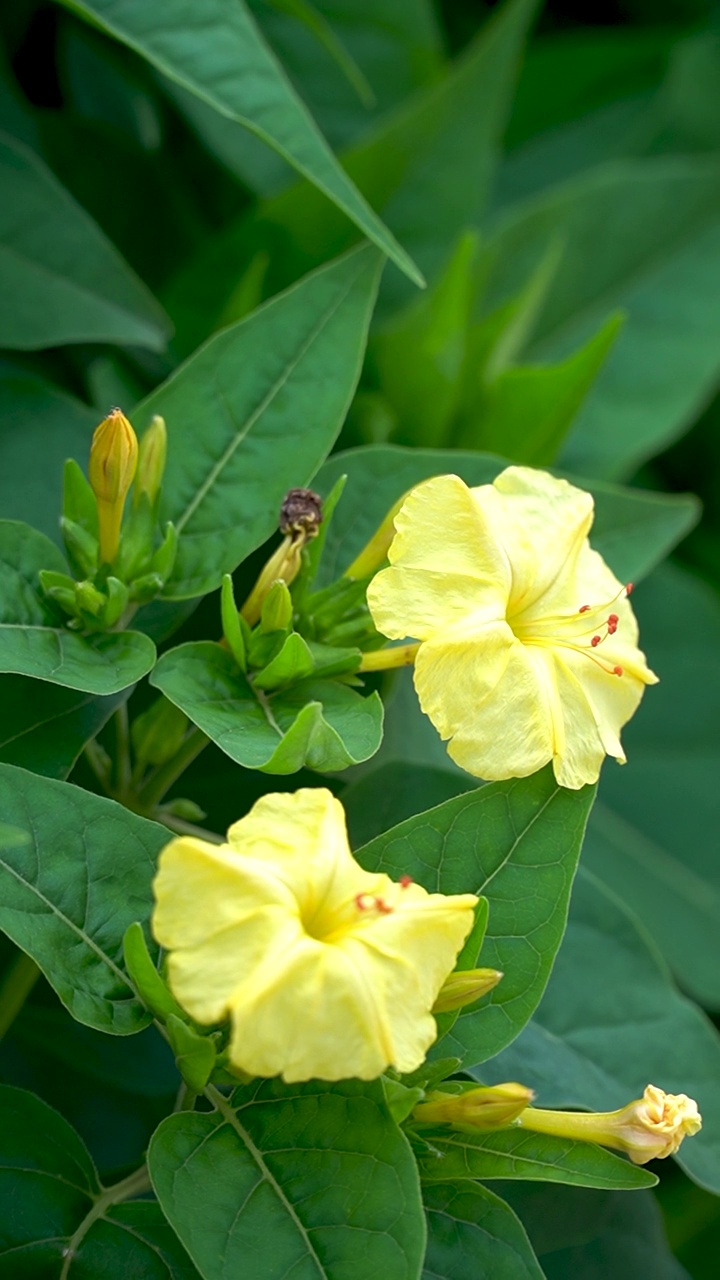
(325, 970)
(528, 646)
(650, 1128)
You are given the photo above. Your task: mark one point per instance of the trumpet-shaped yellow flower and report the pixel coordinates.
(528, 646)
(326, 971)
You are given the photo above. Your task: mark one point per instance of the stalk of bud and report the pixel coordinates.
(650, 1128)
(465, 986)
(111, 470)
(374, 553)
(485, 1107)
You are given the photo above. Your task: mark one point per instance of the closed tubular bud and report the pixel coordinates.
(648, 1128)
(111, 471)
(485, 1107)
(465, 986)
(152, 454)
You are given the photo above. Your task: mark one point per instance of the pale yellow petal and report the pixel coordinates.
(202, 888)
(542, 523)
(482, 692)
(577, 747)
(445, 563)
(302, 838)
(205, 978)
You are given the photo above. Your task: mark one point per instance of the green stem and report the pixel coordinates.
(150, 795)
(134, 1185)
(96, 759)
(184, 828)
(17, 983)
(122, 759)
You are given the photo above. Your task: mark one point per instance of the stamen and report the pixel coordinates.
(383, 907)
(585, 608)
(595, 641)
(405, 881)
(368, 902)
(629, 588)
(617, 671)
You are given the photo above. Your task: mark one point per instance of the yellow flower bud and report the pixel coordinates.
(465, 986)
(375, 552)
(111, 470)
(487, 1107)
(151, 460)
(650, 1128)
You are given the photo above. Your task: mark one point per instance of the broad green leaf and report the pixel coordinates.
(526, 412)
(382, 797)
(519, 1153)
(658, 222)
(471, 1232)
(41, 427)
(517, 843)
(633, 529)
(33, 641)
(611, 1022)
(44, 727)
(271, 393)
(49, 1188)
(594, 1234)
(305, 1179)
(102, 664)
(427, 168)
(67, 282)
(653, 837)
(218, 54)
(77, 873)
(319, 723)
(418, 356)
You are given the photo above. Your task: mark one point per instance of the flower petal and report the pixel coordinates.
(541, 522)
(481, 690)
(445, 563)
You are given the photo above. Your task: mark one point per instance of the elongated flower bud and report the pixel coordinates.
(487, 1107)
(650, 1128)
(151, 460)
(111, 470)
(465, 986)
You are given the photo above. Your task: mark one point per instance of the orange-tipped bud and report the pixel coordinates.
(111, 470)
(465, 986)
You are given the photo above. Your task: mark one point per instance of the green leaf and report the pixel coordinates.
(286, 373)
(67, 282)
(519, 1153)
(42, 426)
(472, 1232)
(611, 1022)
(75, 875)
(633, 529)
(594, 1234)
(45, 727)
(319, 723)
(517, 843)
(32, 643)
(419, 355)
(219, 55)
(427, 168)
(526, 412)
(658, 222)
(49, 1188)
(274, 1175)
(653, 837)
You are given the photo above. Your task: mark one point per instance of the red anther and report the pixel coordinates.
(362, 901)
(595, 641)
(629, 588)
(584, 608)
(405, 881)
(613, 620)
(617, 671)
(383, 907)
